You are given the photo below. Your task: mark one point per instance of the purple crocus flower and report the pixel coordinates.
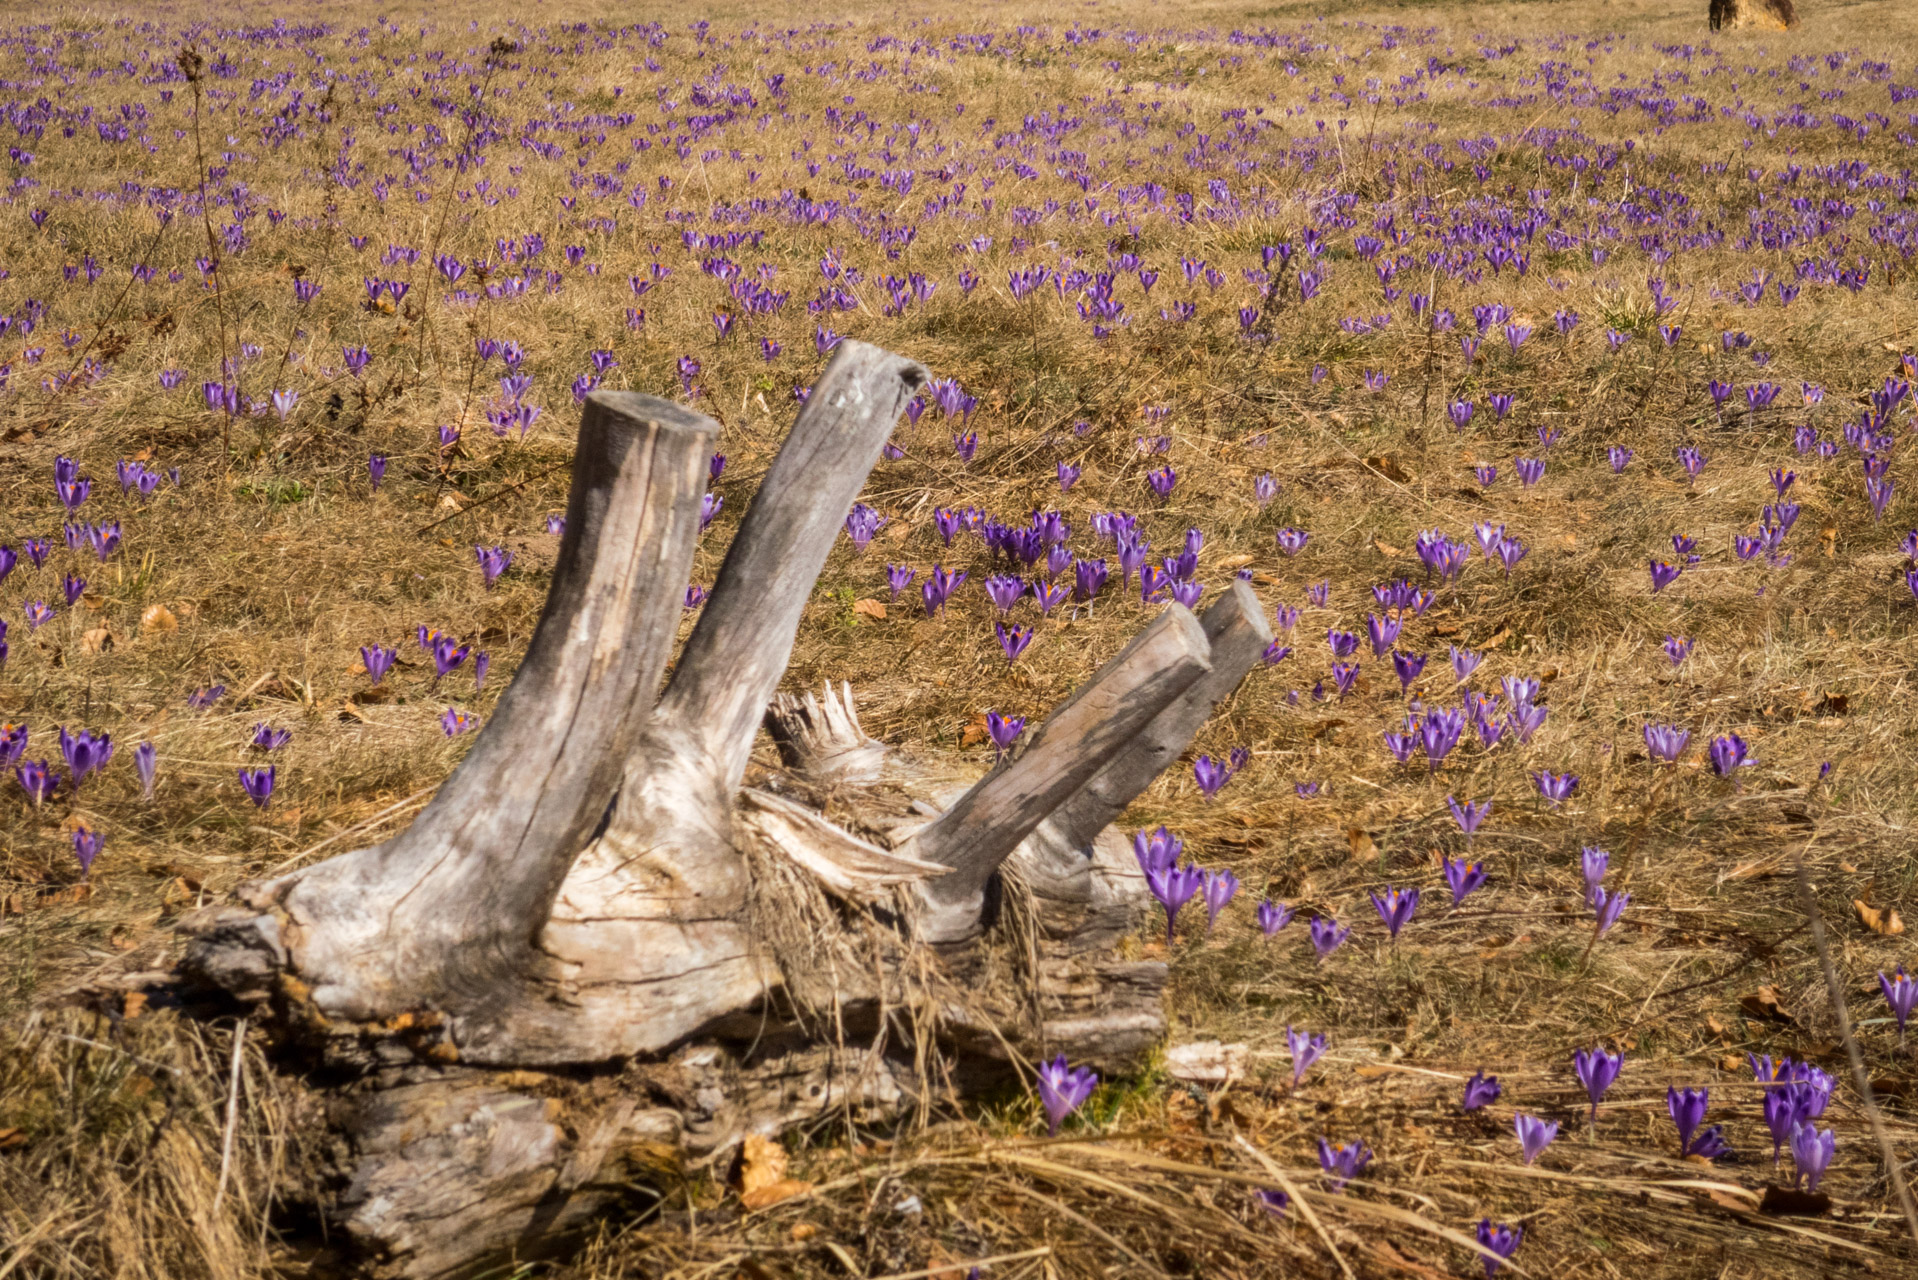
(1401, 745)
(1468, 815)
(86, 847)
(37, 780)
(1265, 488)
(1088, 578)
(1173, 887)
(1291, 540)
(1464, 662)
(1162, 480)
(1274, 1201)
(1273, 916)
(1004, 731)
(145, 758)
(862, 523)
(1592, 864)
(378, 660)
(1677, 649)
(454, 722)
(1343, 1163)
(1395, 908)
(1530, 470)
(1306, 1050)
(1812, 1150)
(1663, 575)
(1439, 732)
(1481, 1090)
(1344, 675)
(1327, 935)
(1620, 457)
(376, 469)
(1156, 849)
(493, 561)
(1781, 1109)
(36, 550)
(1687, 1110)
(1501, 1239)
(1692, 460)
(267, 738)
(1217, 888)
(85, 753)
(1485, 473)
(899, 577)
(1463, 878)
(1068, 476)
(1596, 1070)
(1211, 775)
(1728, 753)
(1555, 787)
(1901, 993)
(1005, 590)
(1408, 666)
(447, 656)
(1063, 1090)
(258, 784)
(1666, 742)
(37, 614)
(1013, 640)
(1534, 1135)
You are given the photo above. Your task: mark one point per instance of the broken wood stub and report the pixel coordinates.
(599, 958)
(1776, 15)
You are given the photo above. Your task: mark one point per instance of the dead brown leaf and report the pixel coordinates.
(1765, 1003)
(974, 732)
(1386, 548)
(158, 620)
(1791, 1202)
(1878, 919)
(767, 1196)
(1363, 846)
(762, 1163)
(99, 640)
(11, 1138)
(870, 608)
(1235, 562)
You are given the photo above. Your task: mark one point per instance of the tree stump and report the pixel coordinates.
(598, 957)
(1778, 15)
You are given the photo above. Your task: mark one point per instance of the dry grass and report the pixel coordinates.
(276, 562)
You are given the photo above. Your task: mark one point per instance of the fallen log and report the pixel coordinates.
(599, 958)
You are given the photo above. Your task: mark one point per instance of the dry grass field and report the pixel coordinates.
(1324, 263)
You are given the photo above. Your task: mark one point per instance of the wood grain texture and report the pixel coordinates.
(738, 651)
(444, 915)
(984, 825)
(1236, 633)
(819, 735)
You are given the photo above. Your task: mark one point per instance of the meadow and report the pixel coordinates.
(1544, 368)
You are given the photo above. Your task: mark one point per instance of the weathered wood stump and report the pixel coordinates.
(598, 957)
(1779, 15)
